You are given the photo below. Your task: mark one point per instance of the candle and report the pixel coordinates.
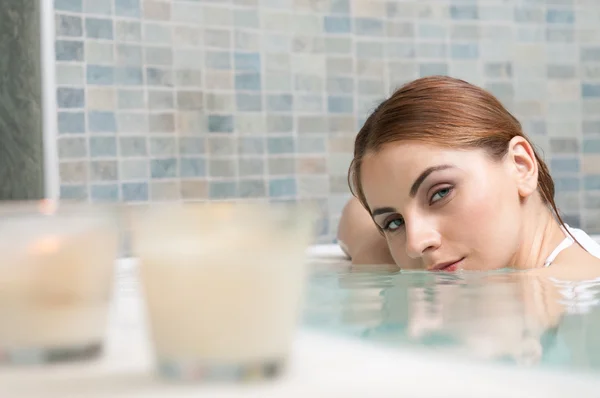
(223, 287)
(55, 279)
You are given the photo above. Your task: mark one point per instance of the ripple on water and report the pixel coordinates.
(506, 316)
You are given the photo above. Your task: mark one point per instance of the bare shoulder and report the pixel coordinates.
(360, 238)
(575, 264)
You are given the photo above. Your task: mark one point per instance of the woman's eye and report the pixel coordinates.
(393, 225)
(440, 194)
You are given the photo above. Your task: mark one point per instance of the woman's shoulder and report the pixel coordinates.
(577, 263)
(588, 243)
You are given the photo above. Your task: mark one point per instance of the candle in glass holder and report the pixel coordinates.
(55, 277)
(223, 286)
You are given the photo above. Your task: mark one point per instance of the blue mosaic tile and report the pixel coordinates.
(280, 102)
(72, 147)
(220, 123)
(251, 146)
(338, 45)
(501, 90)
(221, 168)
(247, 61)
(340, 85)
(102, 122)
(566, 184)
(554, 15)
(104, 170)
(251, 167)
(465, 51)
(464, 12)
(67, 25)
(248, 81)
(135, 191)
(495, 13)
(339, 6)
(68, 5)
(432, 69)
(371, 87)
(105, 193)
(248, 102)
(128, 54)
(340, 104)
(564, 165)
(217, 60)
(222, 190)
(591, 146)
(134, 169)
(530, 34)
(529, 14)
(591, 182)
(432, 31)
(308, 103)
(157, 34)
(431, 50)
(191, 145)
(129, 76)
(252, 188)
(336, 24)
(99, 28)
(128, 8)
(159, 77)
(273, 43)
(163, 168)
(365, 49)
(280, 124)
(73, 192)
(70, 97)
(368, 27)
(280, 145)
(103, 146)
(133, 146)
(400, 49)
(311, 144)
(102, 7)
(163, 146)
(192, 167)
(590, 90)
(71, 122)
(590, 127)
(590, 54)
(100, 75)
(282, 187)
(68, 50)
(246, 18)
(128, 31)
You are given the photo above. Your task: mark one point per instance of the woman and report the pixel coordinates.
(445, 180)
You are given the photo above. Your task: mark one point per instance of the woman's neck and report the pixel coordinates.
(540, 234)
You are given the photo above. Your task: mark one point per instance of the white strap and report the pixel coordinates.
(562, 246)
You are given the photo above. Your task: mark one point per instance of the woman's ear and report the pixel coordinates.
(522, 160)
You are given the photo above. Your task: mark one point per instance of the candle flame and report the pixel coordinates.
(47, 206)
(47, 245)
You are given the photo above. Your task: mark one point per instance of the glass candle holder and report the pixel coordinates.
(223, 286)
(56, 269)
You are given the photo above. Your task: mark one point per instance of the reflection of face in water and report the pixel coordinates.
(492, 316)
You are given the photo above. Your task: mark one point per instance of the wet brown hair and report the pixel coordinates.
(447, 112)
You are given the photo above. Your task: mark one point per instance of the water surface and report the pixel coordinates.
(505, 315)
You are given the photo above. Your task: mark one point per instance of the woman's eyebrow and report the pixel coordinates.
(423, 176)
(382, 210)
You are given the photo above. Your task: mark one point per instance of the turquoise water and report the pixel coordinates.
(504, 316)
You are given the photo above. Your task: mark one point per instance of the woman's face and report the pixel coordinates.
(444, 209)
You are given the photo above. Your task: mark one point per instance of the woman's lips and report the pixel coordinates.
(447, 267)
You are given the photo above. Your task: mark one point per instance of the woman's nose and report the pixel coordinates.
(421, 236)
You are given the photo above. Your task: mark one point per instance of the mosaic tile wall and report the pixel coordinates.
(222, 99)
